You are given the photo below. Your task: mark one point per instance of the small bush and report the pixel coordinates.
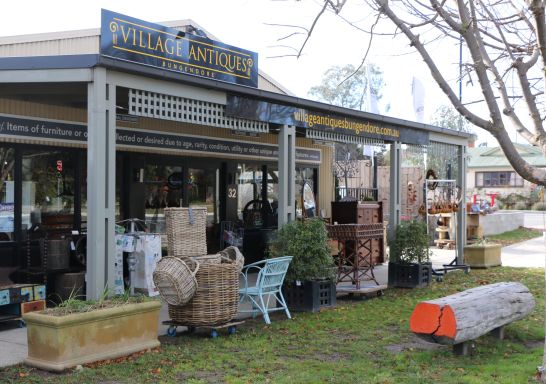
(499, 205)
(520, 205)
(307, 242)
(540, 206)
(410, 243)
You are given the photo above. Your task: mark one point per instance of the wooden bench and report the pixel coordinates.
(462, 317)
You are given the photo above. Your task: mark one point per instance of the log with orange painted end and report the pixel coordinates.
(472, 313)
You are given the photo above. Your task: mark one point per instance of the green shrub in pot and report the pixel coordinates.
(409, 256)
(310, 282)
(410, 243)
(307, 242)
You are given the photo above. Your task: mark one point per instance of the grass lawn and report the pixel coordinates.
(515, 236)
(360, 341)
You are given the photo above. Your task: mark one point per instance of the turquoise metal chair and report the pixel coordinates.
(271, 273)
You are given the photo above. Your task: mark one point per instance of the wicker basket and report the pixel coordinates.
(205, 259)
(234, 254)
(186, 231)
(216, 299)
(175, 279)
(355, 231)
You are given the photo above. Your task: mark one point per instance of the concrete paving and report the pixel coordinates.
(531, 253)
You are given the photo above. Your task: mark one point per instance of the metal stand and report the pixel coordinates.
(453, 265)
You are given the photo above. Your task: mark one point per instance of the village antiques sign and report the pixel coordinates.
(245, 108)
(48, 130)
(130, 39)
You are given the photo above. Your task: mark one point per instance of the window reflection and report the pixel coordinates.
(202, 189)
(7, 193)
(48, 187)
(161, 191)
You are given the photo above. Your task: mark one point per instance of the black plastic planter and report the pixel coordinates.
(409, 275)
(310, 296)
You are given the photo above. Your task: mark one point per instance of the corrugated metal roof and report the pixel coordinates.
(87, 41)
(493, 157)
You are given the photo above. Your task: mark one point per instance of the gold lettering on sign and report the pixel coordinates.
(311, 120)
(179, 51)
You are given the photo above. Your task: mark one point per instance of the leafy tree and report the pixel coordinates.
(348, 87)
(447, 117)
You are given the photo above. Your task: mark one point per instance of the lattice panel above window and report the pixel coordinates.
(341, 138)
(160, 106)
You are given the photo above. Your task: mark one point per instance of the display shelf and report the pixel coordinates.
(442, 205)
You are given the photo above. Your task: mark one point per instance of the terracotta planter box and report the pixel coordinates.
(56, 343)
(483, 256)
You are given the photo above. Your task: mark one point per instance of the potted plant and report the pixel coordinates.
(483, 254)
(79, 332)
(310, 281)
(409, 256)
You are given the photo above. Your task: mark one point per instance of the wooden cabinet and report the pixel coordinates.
(354, 212)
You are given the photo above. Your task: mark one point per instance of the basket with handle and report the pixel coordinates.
(186, 231)
(175, 279)
(204, 259)
(216, 299)
(234, 254)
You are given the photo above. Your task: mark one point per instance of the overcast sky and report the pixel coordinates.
(243, 23)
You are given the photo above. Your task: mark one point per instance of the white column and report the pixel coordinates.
(395, 195)
(287, 174)
(461, 213)
(101, 165)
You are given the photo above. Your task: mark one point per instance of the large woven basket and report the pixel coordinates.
(355, 231)
(204, 259)
(175, 279)
(216, 299)
(186, 231)
(235, 255)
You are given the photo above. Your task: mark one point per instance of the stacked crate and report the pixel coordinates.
(17, 299)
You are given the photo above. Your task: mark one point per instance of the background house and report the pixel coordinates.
(490, 174)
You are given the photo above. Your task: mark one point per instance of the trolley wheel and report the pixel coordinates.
(380, 293)
(214, 333)
(231, 330)
(171, 331)
(191, 329)
(22, 323)
(439, 279)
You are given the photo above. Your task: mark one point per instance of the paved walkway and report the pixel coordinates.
(531, 253)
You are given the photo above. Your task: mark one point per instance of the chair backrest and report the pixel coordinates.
(272, 273)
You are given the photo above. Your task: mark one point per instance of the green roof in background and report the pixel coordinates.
(493, 157)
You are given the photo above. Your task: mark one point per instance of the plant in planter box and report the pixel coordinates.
(79, 332)
(483, 254)
(409, 256)
(310, 280)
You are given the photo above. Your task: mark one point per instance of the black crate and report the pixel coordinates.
(310, 296)
(409, 275)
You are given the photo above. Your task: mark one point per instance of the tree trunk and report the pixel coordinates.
(472, 313)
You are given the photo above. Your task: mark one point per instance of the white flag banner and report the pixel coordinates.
(418, 92)
(372, 97)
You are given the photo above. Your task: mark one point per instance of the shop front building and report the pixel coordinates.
(104, 128)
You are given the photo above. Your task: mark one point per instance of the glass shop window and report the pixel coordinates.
(163, 185)
(48, 187)
(202, 188)
(7, 193)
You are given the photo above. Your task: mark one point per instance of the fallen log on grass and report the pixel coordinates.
(467, 315)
